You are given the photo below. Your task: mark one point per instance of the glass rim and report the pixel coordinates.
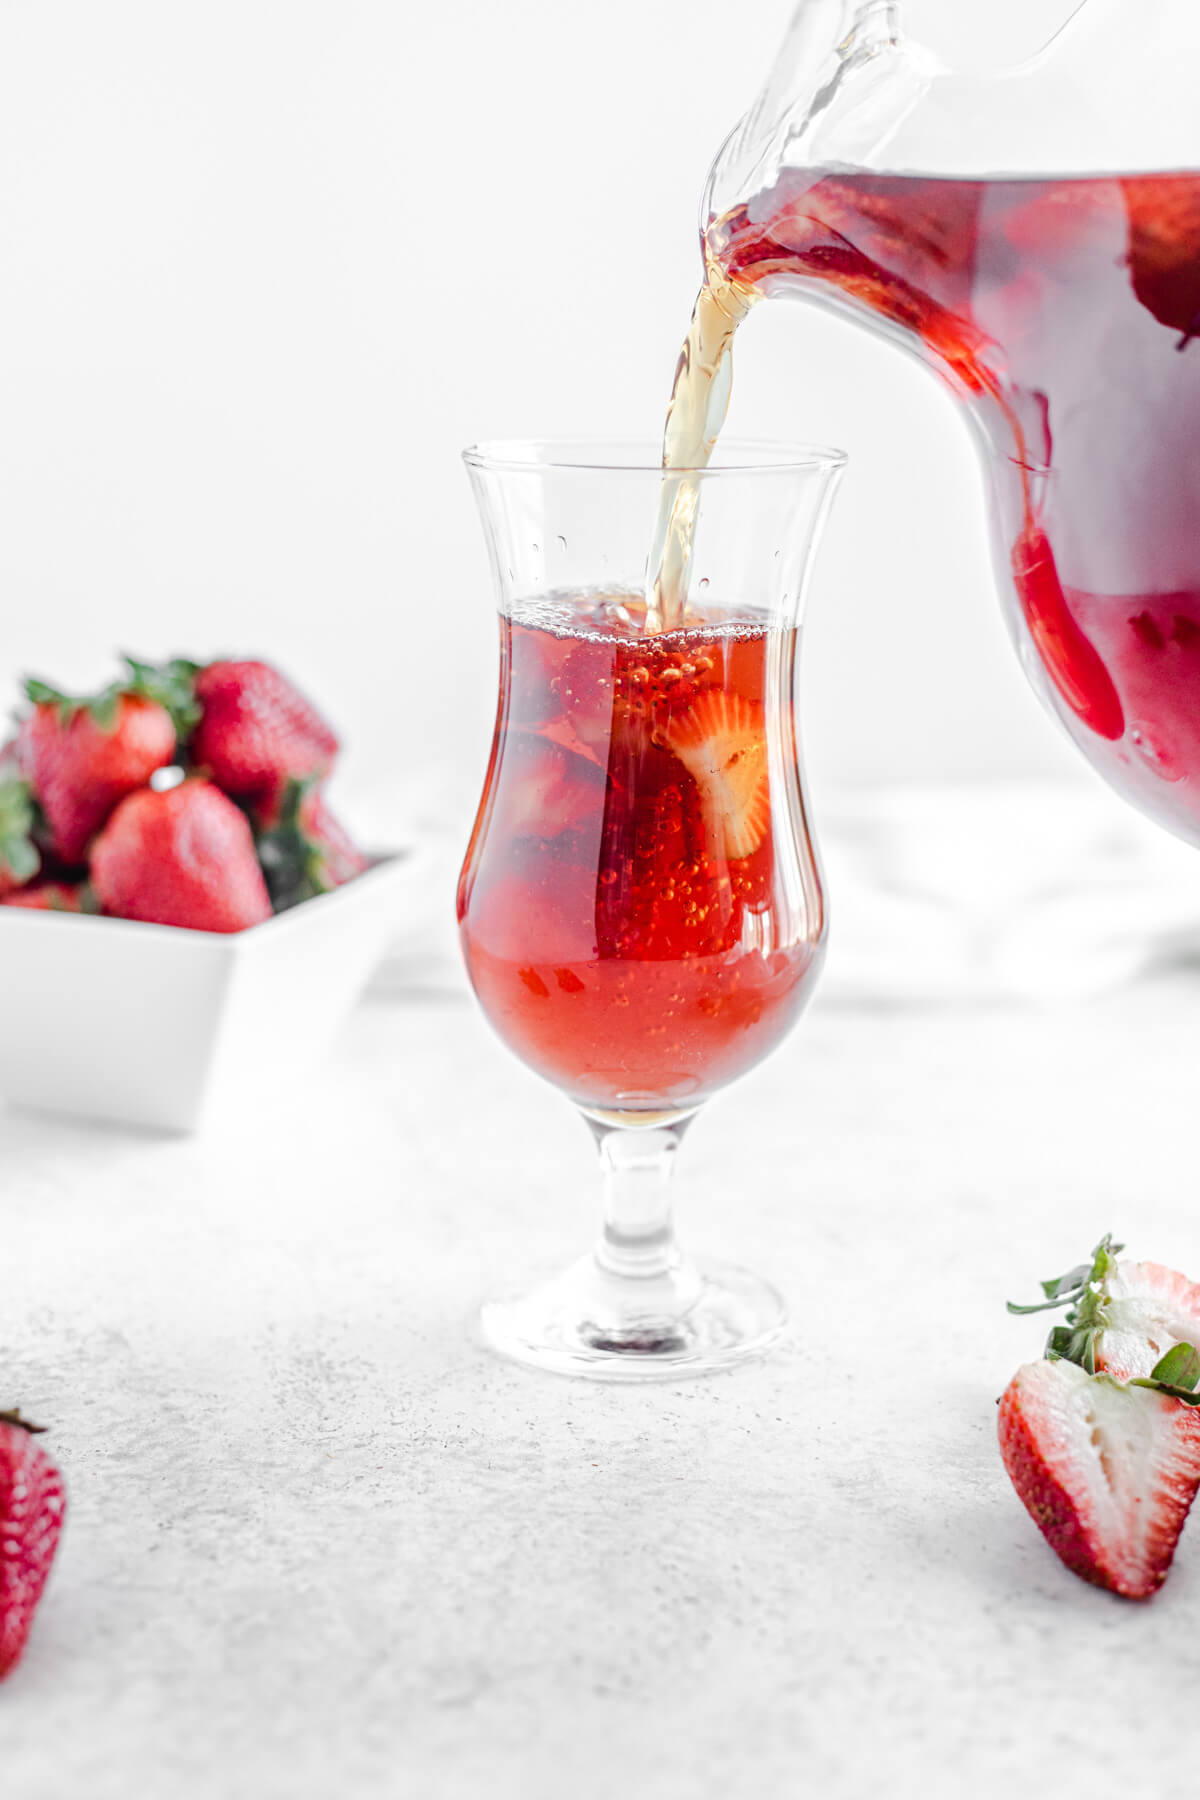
(640, 456)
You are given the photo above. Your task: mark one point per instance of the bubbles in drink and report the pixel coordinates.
(629, 919)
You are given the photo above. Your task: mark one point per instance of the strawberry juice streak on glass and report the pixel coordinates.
(1066, 314)
(627, 923)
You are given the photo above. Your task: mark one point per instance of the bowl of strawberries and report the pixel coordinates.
(183, 919)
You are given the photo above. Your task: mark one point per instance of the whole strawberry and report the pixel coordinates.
(81, 756)
(181, 857)
(305, 850)
(256, 731)
(19, 860)
(32, 1506)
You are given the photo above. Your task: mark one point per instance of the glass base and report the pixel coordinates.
(695, 1319)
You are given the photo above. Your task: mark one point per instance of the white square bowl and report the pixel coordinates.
(157, 1026)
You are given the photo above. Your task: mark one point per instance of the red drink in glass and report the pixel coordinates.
(630, 924)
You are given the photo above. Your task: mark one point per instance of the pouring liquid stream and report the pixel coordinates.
(695, 414)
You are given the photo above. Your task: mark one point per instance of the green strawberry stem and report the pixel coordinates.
(1084, 1290)
(102, 706)
(292, 864)
(14, 1418)
(173, 685)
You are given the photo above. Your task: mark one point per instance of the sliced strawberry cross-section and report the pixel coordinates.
(1107, 1473)
(722, 743)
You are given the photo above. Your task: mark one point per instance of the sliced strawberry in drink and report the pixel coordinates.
(1107, 1473)
(722, 743)
(545, 790)
(1164, 248)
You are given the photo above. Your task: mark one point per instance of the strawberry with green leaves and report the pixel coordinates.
(180, 856)
(1108, 1467)
(247, 727)
(32, 1508)
(19, 859)
(1122, 1317)
(305, 850)
(81, 756)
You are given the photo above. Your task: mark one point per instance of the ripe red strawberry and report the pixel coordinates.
(1107, 1473)
(305, 850)
(256, 731)
(180, 857)
(82, 756)
(50, 896)
(32, 1506)
(19, 860)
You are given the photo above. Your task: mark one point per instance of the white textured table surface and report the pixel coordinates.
(320, 1545)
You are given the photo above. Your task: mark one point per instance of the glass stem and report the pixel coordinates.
(637, 1241)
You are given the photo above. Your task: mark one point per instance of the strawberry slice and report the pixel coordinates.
(721, 742)
(1107, 1473)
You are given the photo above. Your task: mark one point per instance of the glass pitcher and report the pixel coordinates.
(1033, 235)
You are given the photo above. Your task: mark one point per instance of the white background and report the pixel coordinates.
(265, 266)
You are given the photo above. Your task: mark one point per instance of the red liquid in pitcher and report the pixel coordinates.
(1067, 314)
(632, 926)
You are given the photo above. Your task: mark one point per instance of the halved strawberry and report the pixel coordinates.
(1107, 1473)
(1150, 1310)
(722, 743)
(1123, 1317)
